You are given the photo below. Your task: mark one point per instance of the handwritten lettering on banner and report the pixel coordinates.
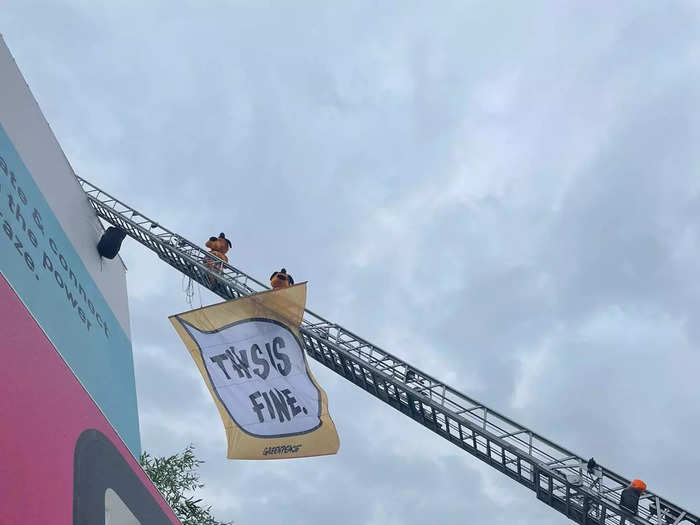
(251, 357)
(258, 370)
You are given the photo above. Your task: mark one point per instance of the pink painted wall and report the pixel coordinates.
(43, 411)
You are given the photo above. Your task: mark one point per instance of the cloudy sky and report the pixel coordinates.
(505, 196)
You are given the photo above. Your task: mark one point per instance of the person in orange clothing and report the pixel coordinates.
(281, 279)
(629, 499)
(218, 246)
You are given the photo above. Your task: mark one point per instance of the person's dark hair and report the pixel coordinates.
(283, 270)
(222, 236)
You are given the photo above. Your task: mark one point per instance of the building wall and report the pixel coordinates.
(63, 463)
(48, 238)
(41, 153)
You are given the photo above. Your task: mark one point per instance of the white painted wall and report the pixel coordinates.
(116, 511)
(33, 139)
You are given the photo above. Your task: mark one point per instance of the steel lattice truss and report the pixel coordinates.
(558, 477)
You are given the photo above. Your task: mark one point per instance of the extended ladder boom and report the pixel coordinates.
(558, 477)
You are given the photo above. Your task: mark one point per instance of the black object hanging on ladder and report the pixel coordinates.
(110, 242)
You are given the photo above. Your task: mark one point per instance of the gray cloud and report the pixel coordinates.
(506, 197)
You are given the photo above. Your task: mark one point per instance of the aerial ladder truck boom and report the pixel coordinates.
(557, 476)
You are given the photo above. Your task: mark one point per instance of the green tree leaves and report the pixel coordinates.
(175, 476)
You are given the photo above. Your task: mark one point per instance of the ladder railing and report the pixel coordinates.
(558, 477)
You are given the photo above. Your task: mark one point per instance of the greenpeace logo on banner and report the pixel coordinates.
(258, 372)
(282, 449)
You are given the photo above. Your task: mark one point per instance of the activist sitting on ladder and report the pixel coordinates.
(281, 279)
(217, 249)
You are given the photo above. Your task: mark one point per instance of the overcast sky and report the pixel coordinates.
(507, 196)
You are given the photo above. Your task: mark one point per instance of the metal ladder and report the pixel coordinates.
(558, 477)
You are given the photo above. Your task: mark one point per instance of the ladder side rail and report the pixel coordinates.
(452, 415)
(183, 262)
(537, 451)
(461, 397)
(108, 204)
(537, 444)
(487, 440)
(455, 398)
(350, 348)
(514, 428)
(441, 421)
(96, 195)
(471, 438)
